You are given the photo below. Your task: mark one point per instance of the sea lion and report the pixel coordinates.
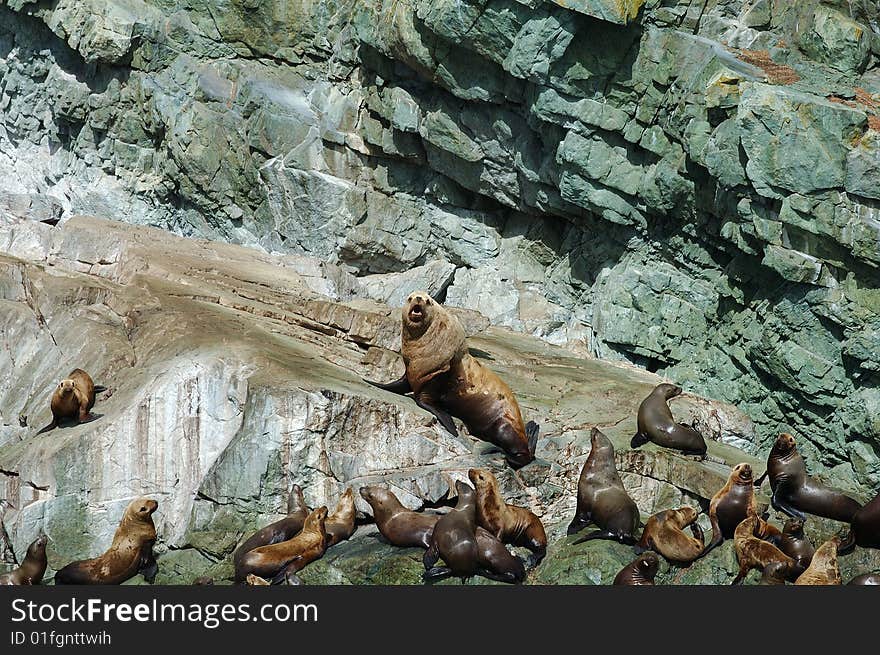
(664, 533)
(509, 523)
(602, 498)
(655, 423)
(130, 553)
(496, 562)
(32, 568)
(864, 528)
(823, 570)
(865, 579)
(732, 504)
(279, 531)
(753, 552)
(256, 581)
(794, 492)
(775, 573)
(340, 522)
(279, 560)
(72, 399)
(446, 380)
(640, 571)
(795, 543)
(399, 525)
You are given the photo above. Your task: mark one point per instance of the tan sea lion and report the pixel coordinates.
(277, 561)
(794, 492)
(731, 504)
(602, 498)
(279, 531)
(130, 553)
(340, 522)
(32, 568)
(399, 525)
(795, 543)
(509, 523)
(446, 380)
(664, 533)
(823, 570)
(864, 529)
(640, 571)
(73, 399)
(656, 424)
(753, 552)
(865, 579)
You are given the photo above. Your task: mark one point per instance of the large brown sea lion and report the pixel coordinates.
(664, 533)
(864, 528)
(640, 571)
(753, 552)
(795, 543)
(464, 548)
(823, 570)
(732, 504)
(279, 531)
(32, 568)
(602, 498)
(656, 424)
(446, 380)
(399, 525)
(73, 399)
(340, 522)
(509, 523)
(277, 561)
(130, 553)
(794, 492)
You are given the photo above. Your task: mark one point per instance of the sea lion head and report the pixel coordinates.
(379, 498)
(793, 526)
(37, 550)
(315, 520)
(141, 509)
(598, 440)
(686, 514)
(465, 493)
(66, 386)
(784, 444)
(648, 563)
(481, 478)
(295, 501)
(742, 473)
(667, 390)
(418, 312)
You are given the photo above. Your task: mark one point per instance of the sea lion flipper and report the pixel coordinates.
(429, 559)
(51, 426)
(149, 567)
(848, 543)
(638, 439)
(100, 388)
(400, 386)
(598, 534)
(444, 418)
(786, 508)
(697, 531)
(577, 524)
(532, 430)
(760, 481)
(436, 573)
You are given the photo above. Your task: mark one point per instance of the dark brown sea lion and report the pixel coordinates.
(753, 552)
(73, 399)
(664, 533)
(340, 522)
(656, 424)
(640, 571)
(277, 561)
(794, 492)
(732, 504)
(32, 568)
(864, 529)
(130, 553)
(446, 380)
(824, 569)
(399, 525)
(496, 562)
(795, 543)
(775, 573)
(509, 523)
(279, 531)
(602, 498)
(865, 579)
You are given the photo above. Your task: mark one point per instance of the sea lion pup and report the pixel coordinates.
(664, 533)
(655, 423)
(823, 570)
(509, 523)
(446, 380)
(775, 573)
(73, 399)
(32, 568)
(731, 504)
(640, 571)
(865, 579)
(399, 525)
(753, 552)
(794, 492)
(864, 529)
(277, 561)
(130, 553)
(340, 522)
(795, 543)
(279, 531)
(602, 498)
